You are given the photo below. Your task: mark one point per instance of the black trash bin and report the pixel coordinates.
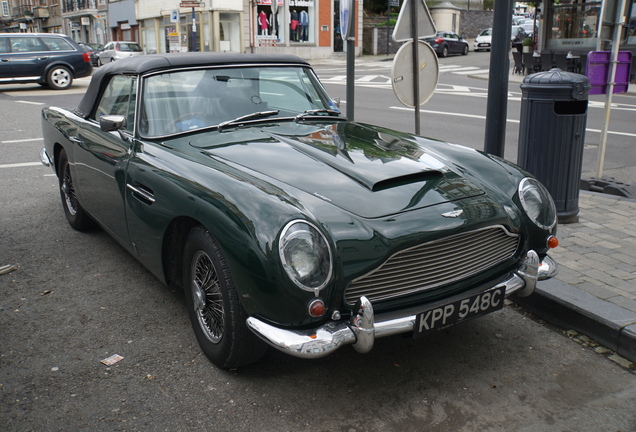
(552, 135)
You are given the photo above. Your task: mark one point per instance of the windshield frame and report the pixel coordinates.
(318, 89)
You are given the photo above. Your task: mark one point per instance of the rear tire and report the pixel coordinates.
(216, 314)
(75, 214)
(444, 52)
(59, 78)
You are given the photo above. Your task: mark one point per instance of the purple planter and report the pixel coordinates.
(597, 70)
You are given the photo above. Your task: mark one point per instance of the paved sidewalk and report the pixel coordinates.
(595, 290)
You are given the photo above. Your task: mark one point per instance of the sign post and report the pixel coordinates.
(192, 4)
(414, 22)
(347, 29)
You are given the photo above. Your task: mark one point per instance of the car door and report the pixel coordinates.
(454, 43)
(28, 57)
(5, 57)
(107, 54)
(101, 158)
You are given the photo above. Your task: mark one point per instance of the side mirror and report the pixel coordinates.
(110, 123)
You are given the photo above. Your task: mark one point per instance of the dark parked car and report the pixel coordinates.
(235, 178)
(44, 58)
(448, 42)
(93, 49)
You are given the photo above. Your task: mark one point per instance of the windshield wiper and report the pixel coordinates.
(320, 113)
(252, 116)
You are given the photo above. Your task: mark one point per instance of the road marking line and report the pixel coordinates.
(22, 140)
(20, 165)
(31, 103)
(367, 78)
(508, 120)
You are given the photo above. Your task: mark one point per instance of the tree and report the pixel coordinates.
(489, 4)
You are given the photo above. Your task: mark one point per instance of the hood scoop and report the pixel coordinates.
(406, 179)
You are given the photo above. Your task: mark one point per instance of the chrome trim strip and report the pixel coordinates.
(361, 330)
(20, 79)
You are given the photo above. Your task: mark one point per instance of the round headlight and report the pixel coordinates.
(537, 203)
(305, 255)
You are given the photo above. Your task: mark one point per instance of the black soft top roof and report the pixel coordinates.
(156, 62)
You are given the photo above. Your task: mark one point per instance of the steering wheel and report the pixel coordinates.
(196, 115)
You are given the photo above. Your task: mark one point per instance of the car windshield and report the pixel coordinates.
(485, 32)
(188, 100)
(129, 47)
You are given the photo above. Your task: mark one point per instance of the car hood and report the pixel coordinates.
(367, 171)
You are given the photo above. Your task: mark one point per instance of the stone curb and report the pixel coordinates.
(571, 308)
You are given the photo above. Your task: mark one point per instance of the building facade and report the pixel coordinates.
(213, 25)
(85, 20)
(44, 16)
(122, 21)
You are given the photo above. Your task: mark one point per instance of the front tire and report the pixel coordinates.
(465, 52)
(216, 314)
(59, 78)
(75, 214)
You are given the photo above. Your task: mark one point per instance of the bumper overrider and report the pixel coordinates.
(363, 327)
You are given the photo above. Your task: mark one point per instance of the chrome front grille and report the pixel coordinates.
(434, 264)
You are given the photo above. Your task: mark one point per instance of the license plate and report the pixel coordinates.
(459, 311)
(483, 44)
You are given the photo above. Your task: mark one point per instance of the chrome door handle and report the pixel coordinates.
(144, 194)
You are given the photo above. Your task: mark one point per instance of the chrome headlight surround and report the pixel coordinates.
(537, 203)
(305, 255)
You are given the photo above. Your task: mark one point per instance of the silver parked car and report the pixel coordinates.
(117, 50)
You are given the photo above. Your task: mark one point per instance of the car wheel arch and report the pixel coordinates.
(173, 246)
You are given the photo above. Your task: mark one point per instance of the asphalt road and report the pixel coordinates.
(78, 298)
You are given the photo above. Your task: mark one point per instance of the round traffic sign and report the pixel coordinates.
(402, 73)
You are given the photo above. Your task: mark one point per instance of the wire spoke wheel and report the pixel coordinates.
(207, 298)
(70, 199)
(216, 313)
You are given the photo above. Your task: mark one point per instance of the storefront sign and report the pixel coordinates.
(266, 41)
(269, 2)
(301, 3)
(86, 21)
(173, 42)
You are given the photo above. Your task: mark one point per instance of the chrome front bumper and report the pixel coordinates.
(44, 158)
(362, 328)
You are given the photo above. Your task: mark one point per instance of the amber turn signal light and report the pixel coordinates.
(553, 242)
(317, 308)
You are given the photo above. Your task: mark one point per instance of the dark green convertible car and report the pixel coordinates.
(237, 179)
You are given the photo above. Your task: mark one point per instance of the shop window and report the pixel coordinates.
(573, 25)
(230, 32)
(302, 21)
(268, 27)
(631, 30)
